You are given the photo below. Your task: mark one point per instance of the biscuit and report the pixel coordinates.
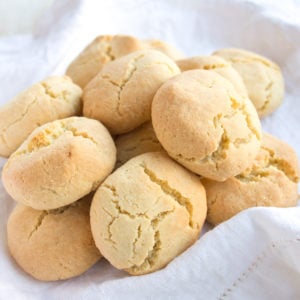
(216, 64)
(205, 125)
(59, 163)
(165, 48)
(100, 51)
(106, 48)
(262, 77)
(147, 212)
(51, 99)
(120, 96)
(134, 143)
(52, 244)
(270, 181)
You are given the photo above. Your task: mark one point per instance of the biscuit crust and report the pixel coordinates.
(215, 64)
(120, 96)
(54, 98)
(136, 142)
(147, 212)
(106, 48)
(262, 77)
(59, 163)
(100, 51)
(164, 47)
(52, 244)
(204, 124)
(272, 180)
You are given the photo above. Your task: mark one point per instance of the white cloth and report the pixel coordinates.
(255, 255)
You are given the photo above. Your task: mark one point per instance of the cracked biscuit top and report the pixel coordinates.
(101, 50)
(136, 142)
(51, 99)
(215, 64)
(59, 163)
(52, 244)
(147, 212)
(262, 77)
(272, 180)
(106, 48)
(204, 124)
(120, 96)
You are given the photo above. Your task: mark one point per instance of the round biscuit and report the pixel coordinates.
(205, 125)
(147, 212)
(120, 96)
(59, 163)
(52, 244)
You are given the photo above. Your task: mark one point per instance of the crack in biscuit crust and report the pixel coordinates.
(220, 153)
(176, 195)
(45, 213)
(153, 253)
(138, 222)
(48, 135)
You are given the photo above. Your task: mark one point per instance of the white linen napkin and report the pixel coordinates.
(255, 255)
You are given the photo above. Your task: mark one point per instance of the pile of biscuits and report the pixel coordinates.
(127, 155)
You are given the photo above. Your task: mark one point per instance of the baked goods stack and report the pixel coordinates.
(127, 155)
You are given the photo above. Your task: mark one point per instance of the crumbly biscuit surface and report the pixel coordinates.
(147, 212)
(120, 96)
(106, 48)
(204, 124)
(54, 98)
(100, 51)
(262, 77)
(59, 163)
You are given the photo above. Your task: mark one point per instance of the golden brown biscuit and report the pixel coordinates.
(100, 51)
(52, 244)
(204, 124)
(51, 99)
(120, 96)
(59, 163)
(270, 181)
(136, 142)
(147, 212)
(216, 64)
(262, 77)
